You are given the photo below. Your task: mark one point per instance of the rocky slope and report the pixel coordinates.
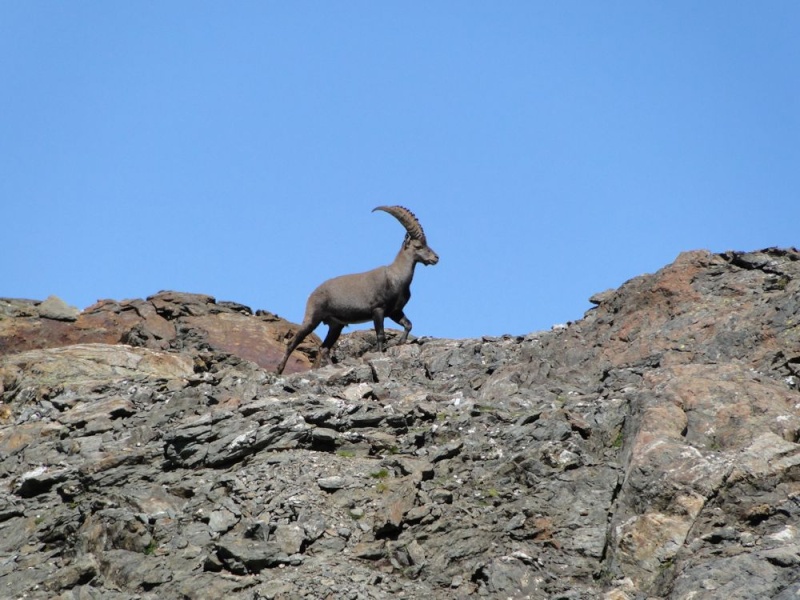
(649, 450)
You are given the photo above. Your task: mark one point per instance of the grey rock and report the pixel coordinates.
(510, 577)
(448, 451)
(366, 417)
(222, 520)
(324, 436)
(76, 573)
(370, 550)
(290, 538)
(39, 480)
(133, 570)
(314, 525)
(786, 556)
(332, 483)
(648, 450)
(55, 308)
(9, 509)
(248, 556)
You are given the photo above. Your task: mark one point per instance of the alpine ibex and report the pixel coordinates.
(370, 296)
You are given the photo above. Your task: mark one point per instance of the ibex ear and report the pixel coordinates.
(407, 240)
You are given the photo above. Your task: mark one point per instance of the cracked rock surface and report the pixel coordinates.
(649, 450)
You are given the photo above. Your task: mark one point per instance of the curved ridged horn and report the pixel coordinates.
(407, 218)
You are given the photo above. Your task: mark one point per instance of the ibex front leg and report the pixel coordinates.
(377, 318)
(403, 321)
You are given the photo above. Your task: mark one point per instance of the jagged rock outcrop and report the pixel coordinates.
(166, 321)
(649, 450)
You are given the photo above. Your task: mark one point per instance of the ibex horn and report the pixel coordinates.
(407, 218)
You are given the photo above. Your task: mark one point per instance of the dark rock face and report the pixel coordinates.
(647, 450)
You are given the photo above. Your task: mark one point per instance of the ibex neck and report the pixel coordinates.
(403, 265)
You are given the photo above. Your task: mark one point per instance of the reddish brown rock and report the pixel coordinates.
(704, 307)
(165, 321)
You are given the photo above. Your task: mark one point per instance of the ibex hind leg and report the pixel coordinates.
(334, 330)
(302, 333)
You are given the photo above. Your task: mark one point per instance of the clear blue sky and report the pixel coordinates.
(551, 149)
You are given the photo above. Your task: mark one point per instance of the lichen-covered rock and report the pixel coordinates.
(648, 450)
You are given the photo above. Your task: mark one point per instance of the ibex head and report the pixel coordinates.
(415, 238)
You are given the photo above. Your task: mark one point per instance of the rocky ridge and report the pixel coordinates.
(649, 450)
